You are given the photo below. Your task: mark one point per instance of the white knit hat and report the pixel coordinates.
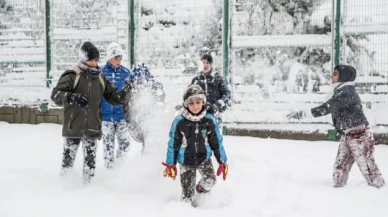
(113, 50)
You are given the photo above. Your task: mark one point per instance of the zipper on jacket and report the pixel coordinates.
(206, 86)
(113, 82)
(205, 77)
(87, 106)
(196, 142)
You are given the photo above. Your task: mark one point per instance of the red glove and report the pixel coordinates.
(223, 168)
(170, 171)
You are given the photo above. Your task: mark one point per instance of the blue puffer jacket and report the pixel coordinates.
(117, 77)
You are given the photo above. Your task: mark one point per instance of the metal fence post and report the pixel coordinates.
(337, 42)
(343, 45)
(132, 32)
(48, 43)
(225, 41)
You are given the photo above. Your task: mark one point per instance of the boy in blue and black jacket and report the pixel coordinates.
(194, 136)
(357, 142)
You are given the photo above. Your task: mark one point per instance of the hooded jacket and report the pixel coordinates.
(345, 104)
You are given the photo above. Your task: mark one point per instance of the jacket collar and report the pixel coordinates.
(337, 86)
(210, 74)
(340, 85)
(189, 116)
(92, 72)
(111, 66)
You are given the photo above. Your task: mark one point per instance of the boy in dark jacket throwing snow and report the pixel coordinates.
(194, 135)
(357, 142)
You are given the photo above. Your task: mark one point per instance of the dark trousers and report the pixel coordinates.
(188, 178)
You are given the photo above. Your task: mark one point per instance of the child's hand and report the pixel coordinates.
(170, 171)
(212, 108)
(296, 115)
(223, 168)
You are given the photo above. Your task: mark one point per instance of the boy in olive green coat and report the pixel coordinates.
(80, 91)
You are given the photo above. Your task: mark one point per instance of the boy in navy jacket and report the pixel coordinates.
(215, 88)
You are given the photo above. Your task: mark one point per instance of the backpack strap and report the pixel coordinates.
(102, 81)
(77, 76)
(77, 71)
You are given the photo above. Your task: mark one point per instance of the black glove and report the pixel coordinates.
(212, 108)
(125, 93)
(296, 115)
(78, 99)
(221, 105)
(228, 102)
(129, 85)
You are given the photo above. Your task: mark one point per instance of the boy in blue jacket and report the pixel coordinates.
(194, 135)
(114, 121)
(357, 142)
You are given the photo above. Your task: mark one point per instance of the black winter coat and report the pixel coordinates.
(345, 108)
(214, 86)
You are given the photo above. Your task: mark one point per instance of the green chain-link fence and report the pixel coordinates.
(40, 39)
(281, 57)
(281, 51)
(22, 48)
(172, 35)
(74, 22)
(365, 45)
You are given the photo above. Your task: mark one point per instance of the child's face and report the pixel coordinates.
(195, 105)
(206, 66)
(91, 63)
(335, 76)
(116, 61)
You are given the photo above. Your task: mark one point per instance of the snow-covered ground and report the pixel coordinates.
(267, 177)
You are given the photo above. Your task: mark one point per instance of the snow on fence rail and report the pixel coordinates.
(280, 41)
